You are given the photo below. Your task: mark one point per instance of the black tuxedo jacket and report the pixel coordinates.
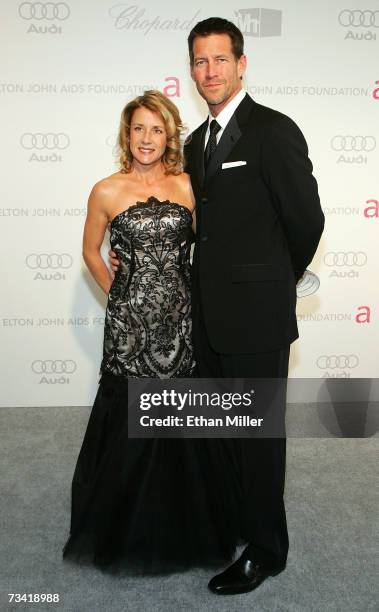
(258, 227)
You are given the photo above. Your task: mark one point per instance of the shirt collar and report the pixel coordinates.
(225, 115)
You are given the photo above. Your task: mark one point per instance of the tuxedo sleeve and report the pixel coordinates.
(187, 158)
(288, 172)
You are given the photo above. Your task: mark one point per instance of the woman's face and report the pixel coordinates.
(148, 137)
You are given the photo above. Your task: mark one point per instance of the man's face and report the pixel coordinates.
(216, 71)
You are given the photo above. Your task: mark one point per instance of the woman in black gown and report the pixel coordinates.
(147, 505)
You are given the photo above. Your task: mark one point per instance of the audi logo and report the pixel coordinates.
(57, 366)
(341, 258)
(44, 261)
(44, 141)
(357, 18)
(332, 362)
(353, 143)
(308, 284)
(44, 10)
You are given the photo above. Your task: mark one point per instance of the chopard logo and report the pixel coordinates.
(134, 18)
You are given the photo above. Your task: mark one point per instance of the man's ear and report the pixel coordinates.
(242, 64)
(191, 72)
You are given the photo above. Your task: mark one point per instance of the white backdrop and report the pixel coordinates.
(70, 67)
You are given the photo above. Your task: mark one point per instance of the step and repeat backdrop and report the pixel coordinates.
(69, 68)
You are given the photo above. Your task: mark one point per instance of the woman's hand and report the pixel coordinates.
(114, 261)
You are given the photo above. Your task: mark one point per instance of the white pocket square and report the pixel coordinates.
(232, 164)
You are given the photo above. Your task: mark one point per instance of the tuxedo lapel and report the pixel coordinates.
(230, 136)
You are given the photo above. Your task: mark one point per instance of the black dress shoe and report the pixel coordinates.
(242, 576)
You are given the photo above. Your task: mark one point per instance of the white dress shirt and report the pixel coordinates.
(225, 115)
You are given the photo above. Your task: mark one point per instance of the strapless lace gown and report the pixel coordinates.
(149, 505)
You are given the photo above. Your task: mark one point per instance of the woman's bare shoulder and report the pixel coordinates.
(184, 182)
(108, 186)
(184, 178)
(104, 193)
(186, 187)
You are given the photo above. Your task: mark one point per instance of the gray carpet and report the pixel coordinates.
(331, 500)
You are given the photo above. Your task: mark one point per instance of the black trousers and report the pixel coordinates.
(261, 461)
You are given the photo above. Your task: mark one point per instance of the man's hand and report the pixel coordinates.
(114, 261)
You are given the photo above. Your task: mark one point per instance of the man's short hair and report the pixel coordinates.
(217, 25)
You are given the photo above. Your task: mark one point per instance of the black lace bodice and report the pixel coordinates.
(148, 327)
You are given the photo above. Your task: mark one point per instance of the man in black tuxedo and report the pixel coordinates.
(259, 221)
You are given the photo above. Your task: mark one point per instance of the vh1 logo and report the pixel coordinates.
(259, 22)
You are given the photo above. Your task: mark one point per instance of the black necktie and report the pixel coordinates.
(212, 142)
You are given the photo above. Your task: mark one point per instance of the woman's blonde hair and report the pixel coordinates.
(155, 102)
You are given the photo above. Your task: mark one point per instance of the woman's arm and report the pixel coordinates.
(194, 220)
(93, 236)
(191, 195)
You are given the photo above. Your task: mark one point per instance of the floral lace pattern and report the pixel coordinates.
(148, 326)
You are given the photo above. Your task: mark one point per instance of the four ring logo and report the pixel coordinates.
(357, 18)
(341, 258)
(332, 362)
(49, 366)
(43, 261)
(44, 10)
(44, 141)
(353, 143)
